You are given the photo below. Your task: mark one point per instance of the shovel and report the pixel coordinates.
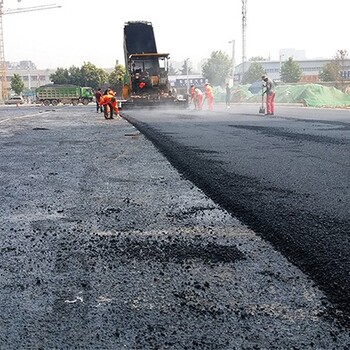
(262, 108)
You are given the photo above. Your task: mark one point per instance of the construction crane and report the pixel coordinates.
(2, 51)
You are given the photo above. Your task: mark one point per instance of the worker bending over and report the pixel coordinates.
(109, 103)
(193, 96)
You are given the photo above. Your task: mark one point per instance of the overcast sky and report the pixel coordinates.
(92, 31)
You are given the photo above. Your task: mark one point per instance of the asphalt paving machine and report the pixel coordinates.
(146, 83)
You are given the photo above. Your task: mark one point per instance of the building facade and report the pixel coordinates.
(310, 69)
(30, 75)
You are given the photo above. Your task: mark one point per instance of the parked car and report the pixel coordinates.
(14, 100)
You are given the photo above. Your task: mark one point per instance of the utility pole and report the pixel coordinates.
(233, 42)
(2, 50)
(281, 55)
(244, 34)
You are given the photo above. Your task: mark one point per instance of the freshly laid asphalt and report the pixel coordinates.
(104, 245)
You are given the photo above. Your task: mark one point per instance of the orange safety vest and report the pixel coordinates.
(105, 99)
(208, 91)
(193, 92)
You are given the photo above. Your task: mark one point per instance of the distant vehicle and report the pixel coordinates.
(14, 100)
(146, 82)
(67, 94)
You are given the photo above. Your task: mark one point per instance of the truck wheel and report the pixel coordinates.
(54, 102)
(85, 101)
(46, 102)
(74, 102)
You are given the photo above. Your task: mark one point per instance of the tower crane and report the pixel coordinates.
(2, 51)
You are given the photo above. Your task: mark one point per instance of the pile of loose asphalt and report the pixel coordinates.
(104, 245)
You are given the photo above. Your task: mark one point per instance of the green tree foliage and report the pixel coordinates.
(87, 75)
(17, 84)
(254, 73)
(183, 70)
(92, 76)
(116, 78)
(75, 76)
(172, 70)
(290, 71)
(332, 71)
(329, 72)
(217, 68)
(61, 76)
(340, 57)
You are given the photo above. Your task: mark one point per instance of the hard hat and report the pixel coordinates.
(264, 76)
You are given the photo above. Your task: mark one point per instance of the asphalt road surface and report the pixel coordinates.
(287, 177)
(234, 236)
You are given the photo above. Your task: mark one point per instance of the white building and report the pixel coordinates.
(310, 69)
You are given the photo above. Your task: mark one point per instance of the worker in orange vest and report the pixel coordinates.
(209, 95)
(193, 96)
(198, 98)
(109, 102)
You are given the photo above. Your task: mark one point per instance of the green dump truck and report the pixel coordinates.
(67, 94)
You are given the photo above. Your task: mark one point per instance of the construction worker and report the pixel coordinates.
(198, 98)
(270, 94)
(98, 95)
(109, 102)
(209, 95)
(193, 96)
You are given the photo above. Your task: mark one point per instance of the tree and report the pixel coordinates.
(75, 76)
(92, 76)
(116, 78)
(172, 70)
(329, 72)
(340, 57)
(61, 76)
(333, 71)
(290, 71)
(254, 73)
(17, 84)
(87, 75)
(183, 70)
(217, 68)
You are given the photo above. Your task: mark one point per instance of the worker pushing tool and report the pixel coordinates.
(209, 96)
(198, 98)
(270, 94)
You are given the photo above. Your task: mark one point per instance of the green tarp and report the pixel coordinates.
(310, 95)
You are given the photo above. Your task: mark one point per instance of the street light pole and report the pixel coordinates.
(282, 55)
(29, 81)
(233, 42)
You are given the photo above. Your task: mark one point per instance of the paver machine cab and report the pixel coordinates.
(146, 83)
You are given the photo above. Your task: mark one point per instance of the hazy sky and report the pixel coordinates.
(92, 30)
